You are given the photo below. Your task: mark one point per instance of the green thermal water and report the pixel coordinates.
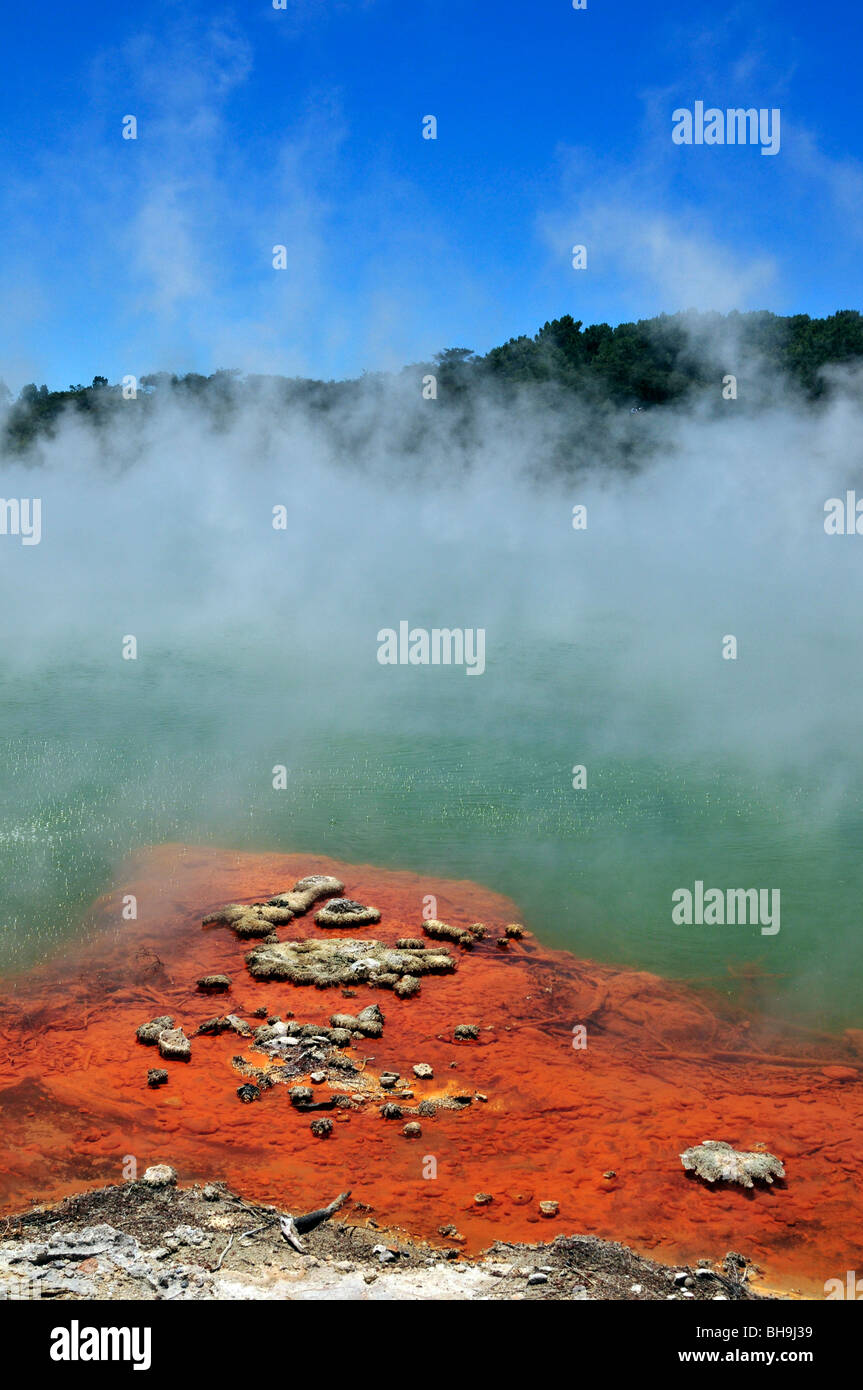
(435, 772)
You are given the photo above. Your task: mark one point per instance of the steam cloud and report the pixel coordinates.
(603, 646)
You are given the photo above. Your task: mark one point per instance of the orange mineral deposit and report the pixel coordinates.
(582, 1086)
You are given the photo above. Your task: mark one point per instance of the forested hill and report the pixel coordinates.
(653, 362)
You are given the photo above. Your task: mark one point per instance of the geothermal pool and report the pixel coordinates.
(258, 649)
(440, 775)
(256, 722)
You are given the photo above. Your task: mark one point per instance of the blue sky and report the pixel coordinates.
(303, 127)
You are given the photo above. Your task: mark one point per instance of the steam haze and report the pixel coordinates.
(258, 647)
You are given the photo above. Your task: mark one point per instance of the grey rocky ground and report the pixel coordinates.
(139, 1242)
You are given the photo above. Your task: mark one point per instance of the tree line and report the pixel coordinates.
(653, 362)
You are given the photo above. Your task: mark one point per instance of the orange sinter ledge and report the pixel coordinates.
(568, 1084)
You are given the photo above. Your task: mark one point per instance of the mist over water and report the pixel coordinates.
(258, 647)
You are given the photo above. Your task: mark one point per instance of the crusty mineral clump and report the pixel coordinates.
(249, 919)
(716, 1161)
(229, 1024)
(299, 1042)
(149, 1033)
(442, 931)
(466, 1031)
(160, 1175)
(369, 1022)
(214, 984)
(174, 1045)
(446, 1103)
(342, 960)
(345, 912)
(306, 892)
